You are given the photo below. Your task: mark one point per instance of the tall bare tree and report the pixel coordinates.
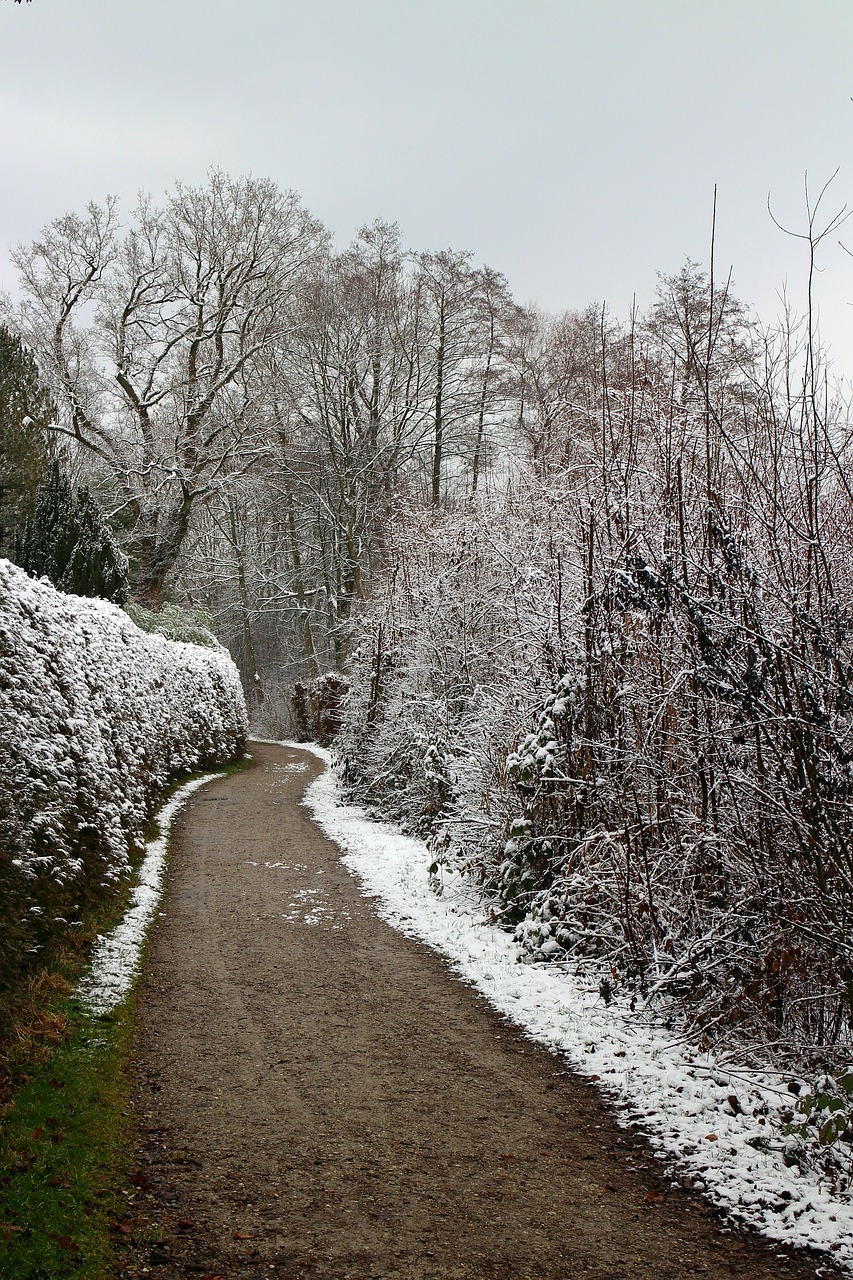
(152, 339)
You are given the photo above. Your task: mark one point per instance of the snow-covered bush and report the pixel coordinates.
(175, 622)
(96, 718)
(636, 666)
(445, 670)
(819, 1126)
(684, 805)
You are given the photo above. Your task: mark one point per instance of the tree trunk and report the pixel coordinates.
(481, 416)
(256, 696)
(155, 546)
(439, 424)
(299, 588)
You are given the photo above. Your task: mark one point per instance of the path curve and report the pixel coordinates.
(319, 1096)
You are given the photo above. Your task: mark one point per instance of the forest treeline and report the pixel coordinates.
(589, 578)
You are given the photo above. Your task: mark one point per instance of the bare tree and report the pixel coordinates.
(151, 339)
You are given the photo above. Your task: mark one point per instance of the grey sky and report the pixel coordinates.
(573, 146)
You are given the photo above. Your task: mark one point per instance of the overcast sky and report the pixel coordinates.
(572, 144)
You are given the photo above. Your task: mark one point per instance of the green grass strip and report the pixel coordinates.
(65, 1133)
(64, 1155)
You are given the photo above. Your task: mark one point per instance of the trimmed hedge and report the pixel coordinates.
(96, 718)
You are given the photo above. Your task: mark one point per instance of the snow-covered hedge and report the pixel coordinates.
(96, 717)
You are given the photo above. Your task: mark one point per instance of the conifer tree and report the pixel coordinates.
(67, 540)
(25, 412)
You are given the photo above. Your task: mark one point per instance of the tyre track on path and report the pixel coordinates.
(319, 1096)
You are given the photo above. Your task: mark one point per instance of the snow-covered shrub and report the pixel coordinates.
(175, 622)
(446, 669)
(637, 664)
(684, 807)
(819, 1128)
(633, 659)
(96, 718)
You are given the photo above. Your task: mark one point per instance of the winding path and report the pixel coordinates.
(318, 1096)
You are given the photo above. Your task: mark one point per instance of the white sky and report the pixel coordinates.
(572, 144)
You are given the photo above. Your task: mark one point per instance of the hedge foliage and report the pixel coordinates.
(96, 718)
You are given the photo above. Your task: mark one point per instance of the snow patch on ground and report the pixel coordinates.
(116, 955)
(700, 1115)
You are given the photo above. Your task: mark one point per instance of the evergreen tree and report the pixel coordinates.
(25, 412)
(67, 540)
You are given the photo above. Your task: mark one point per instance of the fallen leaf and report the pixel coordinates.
(242, 1235)
(65, 1242)
(124, 1227)
(653, 1197)
(710, 1137)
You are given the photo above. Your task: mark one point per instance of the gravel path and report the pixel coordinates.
(318, 1096)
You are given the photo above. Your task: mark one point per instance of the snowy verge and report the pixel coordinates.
(715, 1126)
(116, 955)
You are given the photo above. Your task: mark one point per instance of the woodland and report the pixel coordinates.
(572, 593)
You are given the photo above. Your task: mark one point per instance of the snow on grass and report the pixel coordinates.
(719, 1127)
(116, 955)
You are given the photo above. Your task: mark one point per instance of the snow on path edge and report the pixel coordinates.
(697, 1114)
(116, 955)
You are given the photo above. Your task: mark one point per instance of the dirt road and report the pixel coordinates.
(318, 1096)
